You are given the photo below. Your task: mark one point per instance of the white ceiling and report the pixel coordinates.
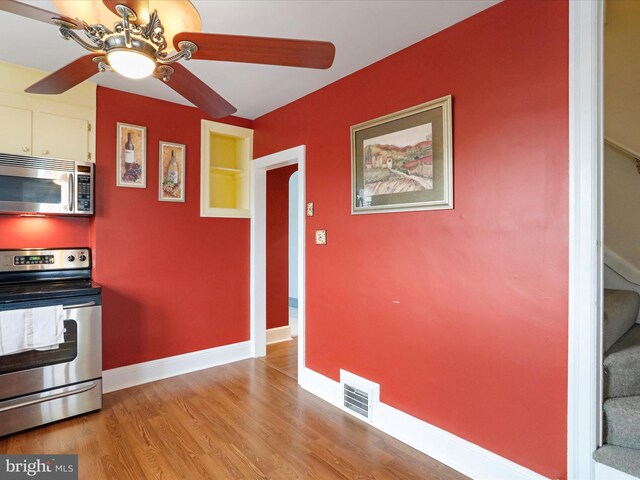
(363, 32)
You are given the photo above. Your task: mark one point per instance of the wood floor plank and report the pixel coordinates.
(283, 356)
(245, 420)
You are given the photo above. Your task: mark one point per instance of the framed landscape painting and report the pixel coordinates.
(131, 159)
(403, 161)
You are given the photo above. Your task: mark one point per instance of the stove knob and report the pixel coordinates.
(82, 257)
(71, 258)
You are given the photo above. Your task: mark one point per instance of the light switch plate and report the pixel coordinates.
(310, 209)
(321, 237)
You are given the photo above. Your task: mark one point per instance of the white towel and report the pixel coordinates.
(31, 328)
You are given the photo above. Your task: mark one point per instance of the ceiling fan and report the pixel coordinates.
(137, 45)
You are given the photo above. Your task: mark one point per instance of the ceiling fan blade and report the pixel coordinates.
(266, 50)
(140, 7)
(36, 13)
(67, 77)
(197, 92)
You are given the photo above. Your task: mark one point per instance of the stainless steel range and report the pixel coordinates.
(39, 386)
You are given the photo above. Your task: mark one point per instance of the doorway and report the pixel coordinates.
(282, 264)
(258, 273)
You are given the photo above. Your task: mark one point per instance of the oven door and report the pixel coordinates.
(35, 190)
(76, 360)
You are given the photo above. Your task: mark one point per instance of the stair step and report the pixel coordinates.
(620, 313)
(622, 421)
(626, 460)
(622, 366)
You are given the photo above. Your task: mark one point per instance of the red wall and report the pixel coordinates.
(173, 282)
(39, 232)
(278, 246)
(460, 315)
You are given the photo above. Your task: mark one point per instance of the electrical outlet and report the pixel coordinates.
(310, 209)
(321, 237)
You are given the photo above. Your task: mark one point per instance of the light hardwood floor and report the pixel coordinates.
(246, 420)
(283, 356)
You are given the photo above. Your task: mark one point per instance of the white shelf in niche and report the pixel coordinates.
(226, 171)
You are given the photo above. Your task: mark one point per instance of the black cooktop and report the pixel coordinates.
(44, 290)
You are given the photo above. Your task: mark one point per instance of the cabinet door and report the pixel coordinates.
(15, 130)
(58, 136)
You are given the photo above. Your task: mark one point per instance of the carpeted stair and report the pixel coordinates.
(621, 382)
(622, 366)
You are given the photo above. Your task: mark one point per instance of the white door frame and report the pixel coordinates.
(258, 272)
(585, 235)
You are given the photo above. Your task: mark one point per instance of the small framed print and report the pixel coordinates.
(403, 161)
(171, 171)
(131, 159)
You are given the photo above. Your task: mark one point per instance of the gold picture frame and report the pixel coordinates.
(131, 156)
(403, 161)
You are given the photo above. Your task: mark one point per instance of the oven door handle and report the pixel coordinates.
(79, 305)
(52, 396)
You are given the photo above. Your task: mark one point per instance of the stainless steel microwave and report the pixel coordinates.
(45, 186)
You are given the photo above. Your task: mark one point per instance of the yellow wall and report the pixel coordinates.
(622, 125)
(224, 152)
(621, 196)
(622, 72)
(15, 79)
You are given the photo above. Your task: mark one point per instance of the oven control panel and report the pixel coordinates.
(33, 259)
(44, 259)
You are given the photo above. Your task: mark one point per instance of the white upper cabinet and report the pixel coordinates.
(59, 136)
(56, 126)
(15, 130)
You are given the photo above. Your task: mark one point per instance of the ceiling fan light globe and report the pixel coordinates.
(130, 63)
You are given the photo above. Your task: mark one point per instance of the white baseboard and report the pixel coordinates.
(604, 472)
(278, 334)
(621, 266)
(459, 454)
(132, 375)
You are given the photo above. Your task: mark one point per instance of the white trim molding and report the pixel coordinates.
(258, 268)
(457, 453)
(278, 334)
(621, 266)
(140, 373)
(585, 235)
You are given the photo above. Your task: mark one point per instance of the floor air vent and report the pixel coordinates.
(359, 395)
